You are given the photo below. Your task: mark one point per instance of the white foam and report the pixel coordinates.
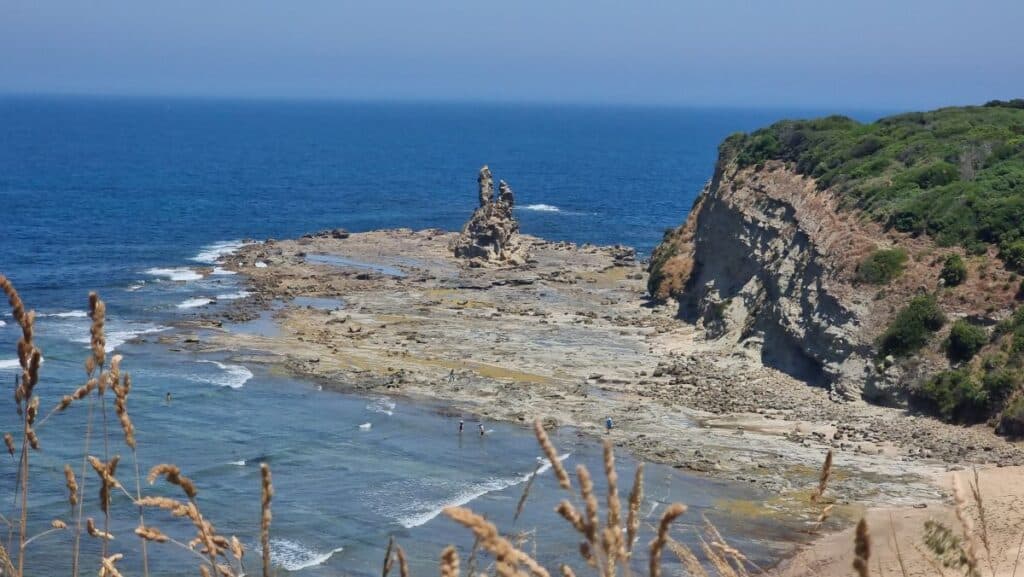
(240, 463)
(115, 336)
(176, 274)
(382, 405)
(214, 252)
(260, 264)
(195, 302)
(221, 271)
(292, 556)
(3, 324)
(136, 286)
(14, 364)
(234, 376)
(473, 492)
(542, 208)
(233, 296)
(365, 426)
(67, 315)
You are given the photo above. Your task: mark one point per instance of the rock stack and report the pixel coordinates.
(491, 235)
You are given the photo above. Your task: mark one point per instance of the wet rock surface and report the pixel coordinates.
(570, 337)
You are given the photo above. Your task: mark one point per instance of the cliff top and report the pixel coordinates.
(956, 174)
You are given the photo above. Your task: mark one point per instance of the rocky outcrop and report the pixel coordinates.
(491, 235)
(768, 260)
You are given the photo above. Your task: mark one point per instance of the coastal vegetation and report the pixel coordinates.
(954, 174)
(882, 266)
(954, 271)
(912, 327)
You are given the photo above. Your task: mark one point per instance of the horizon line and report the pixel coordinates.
(554, 103)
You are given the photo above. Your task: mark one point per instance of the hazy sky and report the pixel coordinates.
(825, 53)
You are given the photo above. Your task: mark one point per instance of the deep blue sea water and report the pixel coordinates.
(123, 196)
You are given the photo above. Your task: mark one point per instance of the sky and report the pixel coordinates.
(770, 53)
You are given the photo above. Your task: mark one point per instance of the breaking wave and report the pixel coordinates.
(180, 274)
(293, 556)
(66, 315)
(383, 406)
(212, 253)
(425, 512)
(232, 376)
(195, 302)
(542, 208)
(233, 296)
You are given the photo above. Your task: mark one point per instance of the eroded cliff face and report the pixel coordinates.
(767, 260)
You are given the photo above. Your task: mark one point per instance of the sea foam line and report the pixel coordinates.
(542, 208)
(235, 375)
(470, 494)
(212, 253)
(176, 273)
(233, 296)
(293, 556)
(66, 315)
(194, 302)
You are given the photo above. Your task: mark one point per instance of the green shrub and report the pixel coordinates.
(954, 271)
(904, 170)
(882, 266)
(1011, 422)
(912, 327)
(999, 385)
(965, 340)
(1013, 254)
(955, 395)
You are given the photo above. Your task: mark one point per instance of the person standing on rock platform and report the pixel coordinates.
(481, 429)
(462, 425)
(608, 425)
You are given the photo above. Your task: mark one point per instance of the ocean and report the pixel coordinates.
(128, 196)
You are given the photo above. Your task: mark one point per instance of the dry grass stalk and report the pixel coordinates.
(590, 519)
(636, 497)
(72, 485)
(403, 563)
(570, 514)
(967, 526)
(151, 534)
(686, 557)
(108, 481)
(980, 504)
(552, 455)
(267, 495)
(658, 543)
(109, 570)
(526, 493)
(94, 532)
(450, 562)
(862, 549)
(389, 558)
(616, 548)
(826, 473)
(58, 524)
(507, 557)
(720, 564)
(896, 544)
(9, 441)
(173, 475)
(566, 571)
(98, 341)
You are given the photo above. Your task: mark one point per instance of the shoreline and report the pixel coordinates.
(568, 338)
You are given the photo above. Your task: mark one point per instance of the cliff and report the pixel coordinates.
(812, 246)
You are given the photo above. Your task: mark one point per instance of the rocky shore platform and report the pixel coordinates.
(569, 337)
